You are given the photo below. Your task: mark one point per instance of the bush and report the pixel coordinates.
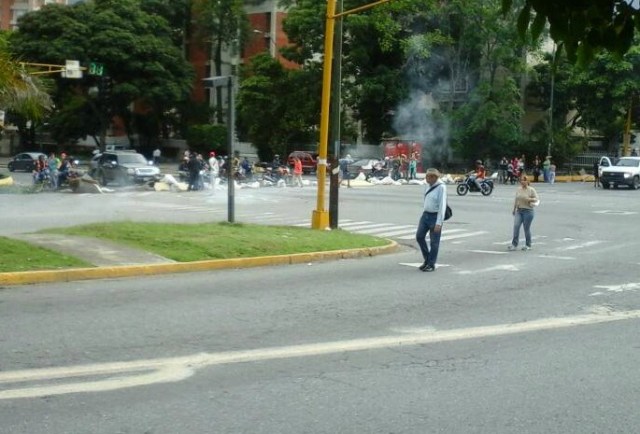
(205, 137)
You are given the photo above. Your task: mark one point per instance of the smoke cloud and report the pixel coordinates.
(418, 118)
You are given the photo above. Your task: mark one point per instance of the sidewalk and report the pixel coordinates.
(113, 260)
(101, 253)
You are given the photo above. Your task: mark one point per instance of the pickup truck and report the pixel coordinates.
(626, 171)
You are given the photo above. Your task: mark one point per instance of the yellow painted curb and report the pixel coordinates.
(71, 274)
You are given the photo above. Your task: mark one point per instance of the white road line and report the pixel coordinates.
(417, 264)
(346, 225)
(561, 258)
(381, 227)
(581, 246)
(408, 230)
(361, 228)
(490, 252)
(508, 267)
(182, 208)
(508, 242)
(620, 288)
(457, 236)
(445, 233)
(395, 228)
(120, 375)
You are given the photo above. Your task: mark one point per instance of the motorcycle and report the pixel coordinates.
(272, 175)
(378, 172)
(468, 184)
(512, 175)
(43, 182)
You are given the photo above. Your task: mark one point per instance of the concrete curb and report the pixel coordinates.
(75, 274)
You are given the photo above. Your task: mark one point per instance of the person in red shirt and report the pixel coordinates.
(297, 172)
(479, 174)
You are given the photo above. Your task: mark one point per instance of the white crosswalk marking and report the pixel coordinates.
(450, 235)
(581, 246)
(348, 225)
(362, 228)
(398, 231)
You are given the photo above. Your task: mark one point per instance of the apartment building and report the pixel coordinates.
(11, 10)
(265, 21)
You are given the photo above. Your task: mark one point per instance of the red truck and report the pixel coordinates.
(395, 147)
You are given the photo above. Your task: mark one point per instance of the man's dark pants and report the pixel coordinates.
(427, 224)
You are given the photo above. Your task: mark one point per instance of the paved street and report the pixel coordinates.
(492, 342)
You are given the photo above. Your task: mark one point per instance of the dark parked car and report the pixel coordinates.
(24, 161)
(124, 167)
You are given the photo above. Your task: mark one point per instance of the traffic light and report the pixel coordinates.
(105, 88)
(96, 68)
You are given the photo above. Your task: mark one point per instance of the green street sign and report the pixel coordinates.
(96, 68)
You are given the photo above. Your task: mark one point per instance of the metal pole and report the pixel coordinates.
(334, 122)
(553, 75)
(230, 137)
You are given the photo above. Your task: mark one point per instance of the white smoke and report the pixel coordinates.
(418, 118)
(414, 120)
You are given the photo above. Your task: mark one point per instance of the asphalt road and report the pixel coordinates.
(493, 342)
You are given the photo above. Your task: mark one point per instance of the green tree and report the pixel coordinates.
(206, 137)
(582, 28)
(468, 58)
(398, 55)
(594, 98)
(139, 53)
(274, 110)
(221, 24)
(604, 91)
(24, 97)
(372, 74)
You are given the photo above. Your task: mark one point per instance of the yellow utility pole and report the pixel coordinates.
(320, 216)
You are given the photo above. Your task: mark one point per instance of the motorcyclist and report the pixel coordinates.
(478, 174)
(276, 162)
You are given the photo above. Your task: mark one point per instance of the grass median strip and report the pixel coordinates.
(195, 242)
(16, 255)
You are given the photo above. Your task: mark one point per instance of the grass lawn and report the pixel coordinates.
(193, 242)
(18, 255)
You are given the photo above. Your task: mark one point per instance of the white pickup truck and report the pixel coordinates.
(625, 171)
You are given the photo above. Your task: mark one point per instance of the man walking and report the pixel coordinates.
(435, 204)
(344, 169)
(156, 156)
(214, 169)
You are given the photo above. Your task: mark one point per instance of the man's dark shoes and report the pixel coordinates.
(429, 268)
(423, 266)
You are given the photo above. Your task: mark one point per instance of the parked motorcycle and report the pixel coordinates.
(468, 184)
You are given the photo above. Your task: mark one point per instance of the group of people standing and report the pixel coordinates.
(433, 215)
(510, 170)
(403, 167)
(215, 167)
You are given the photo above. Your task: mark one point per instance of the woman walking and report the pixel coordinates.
(526, 200)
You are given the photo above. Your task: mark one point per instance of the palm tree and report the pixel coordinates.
(19, 92)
